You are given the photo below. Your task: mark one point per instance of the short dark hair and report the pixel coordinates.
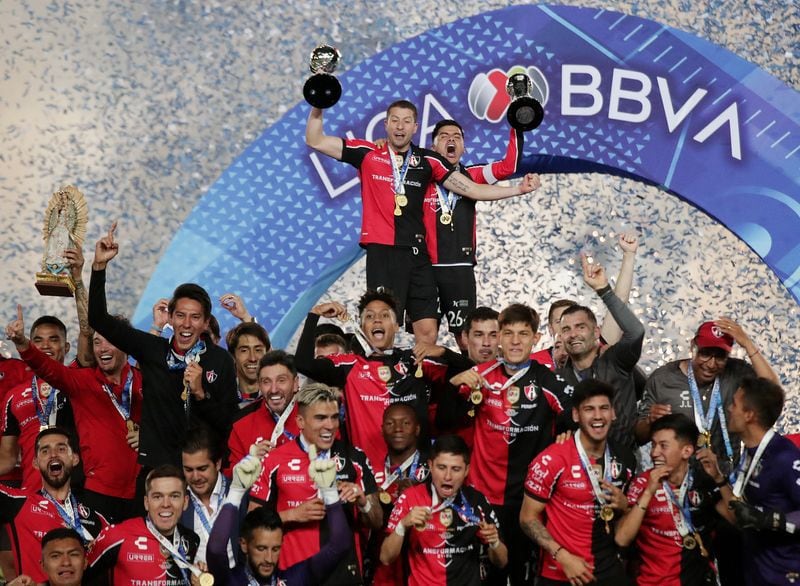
(450, 444)
(71, 441)
(577, 308)
(199, 438)
(405, 406)
(519, 313)
(402, 104)
(588, 388)
(330, 340)
(164, 471)
(62, 533)
(684, 428)
(191, 291)
(380, 294)
(442, 123)
(247, 328)
(261, 518)
(764, 397)
(49, 320)
(558, 303)
(274, 357)
(481, 313)
(328, 328)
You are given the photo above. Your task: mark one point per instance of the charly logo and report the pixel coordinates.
(488, 99)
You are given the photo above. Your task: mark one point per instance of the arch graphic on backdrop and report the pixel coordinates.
(624, 95)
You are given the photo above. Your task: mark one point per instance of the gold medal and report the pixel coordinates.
(445, 218)
(419, 372)
(397, 210)
(471, 413)
(385, 497)
(606, 513)
(401, 199)
(689, 542)
(476, 397)
(184, 395)
(130, 425)
(206, 579)
(45, 390)
(704, 439)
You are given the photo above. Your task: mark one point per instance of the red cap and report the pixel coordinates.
(710, 335)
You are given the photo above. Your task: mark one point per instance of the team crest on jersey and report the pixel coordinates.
(530, 392)
(211, 376)
(512, 394)
(694, 498)
(385, 373)
(340, 462)
(421, 474)
(401, 368)
(413, 161)
(616, 468)
(83, 511)
(164, 553)
(446, 517)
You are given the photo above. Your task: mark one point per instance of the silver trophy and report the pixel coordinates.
(322, 90)
(524, 112)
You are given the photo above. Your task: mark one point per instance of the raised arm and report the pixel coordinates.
(318, 140)
(503, 169)
(760, 364)
(628, 242)
(75, 260)
(319, 369)
(463, 185)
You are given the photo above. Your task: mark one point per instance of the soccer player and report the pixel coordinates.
(515, 403)
(247, 343)
(185, 379)
(577, 486)
(107, 403)
(766, 488)
(394, 182)
(33, 513)
(272, 420)
(672, 510)
(447, 523)
(154, 549)
(63, 559)
(285, 485)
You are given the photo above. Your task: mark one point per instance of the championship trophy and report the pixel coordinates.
(322, 90)
(524, 112)
(64, 227)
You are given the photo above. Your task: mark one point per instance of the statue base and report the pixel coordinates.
(55, 285)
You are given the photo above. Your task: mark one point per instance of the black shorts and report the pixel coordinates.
(457, 293)
(408, 273)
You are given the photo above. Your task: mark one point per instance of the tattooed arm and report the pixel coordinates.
(463, 185)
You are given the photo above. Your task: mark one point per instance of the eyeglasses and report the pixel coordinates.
(706, 354)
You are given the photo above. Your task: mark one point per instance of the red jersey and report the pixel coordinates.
(512, 425)
(30, 515)
(379, 224)
(447, 551)
(664, 560)
(545, 358)
(25, 414)
(256, 423)
(556, 477)
(454, 243)
(12, 373)
(138, 558)
(284, 484)
(109, 463)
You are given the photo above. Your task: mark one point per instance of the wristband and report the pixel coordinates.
(604, 290)
(494, 545)
(555, 553)
(753, 353)
(638, 504)
(400, 530)
(366, 508)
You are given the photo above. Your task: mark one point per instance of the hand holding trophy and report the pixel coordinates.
(525, 112)
(322, 90)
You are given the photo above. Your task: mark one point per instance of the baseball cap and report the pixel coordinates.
(710, 335)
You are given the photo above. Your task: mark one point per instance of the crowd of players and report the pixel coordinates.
(161, 458)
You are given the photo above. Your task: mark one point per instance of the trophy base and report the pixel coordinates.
(322, 90)
(55, 285)
(525, 114)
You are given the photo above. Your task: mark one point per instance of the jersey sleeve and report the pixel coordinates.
(503, 169)
(104, 550)
(10, 421)
(637, 487)
(354, 151)
(262, 491)
(366, 473)
(339, 542)
(62, 377)
(319, 369)
(400, 510)
(556, 390)
(440, 167)
(543, 473)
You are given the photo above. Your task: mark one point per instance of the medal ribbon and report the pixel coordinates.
(280, 423)
(46, 415)
(69, 514)
(587, 468)
(437, 506)
(679, 505)
(705, 421)
(123, 409)
(399, 175)
(175, 550)
(466, 512)
(447, 200)
(361, 336)
(253, 581)
(411, 462)
(208, 521)
(516, 376)
(177, 362)
(747, 465)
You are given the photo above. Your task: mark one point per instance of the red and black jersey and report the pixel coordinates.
(379, 225)
(109, 463)
(12, 373)
(30, 515)
(545, 358)
(556, 477)
(20, 420)
(664, 561)
(454, 243)
(137, 557)
(284, 484)
(256, 423)
(447, 551)
(512, 425)
(369, 386)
